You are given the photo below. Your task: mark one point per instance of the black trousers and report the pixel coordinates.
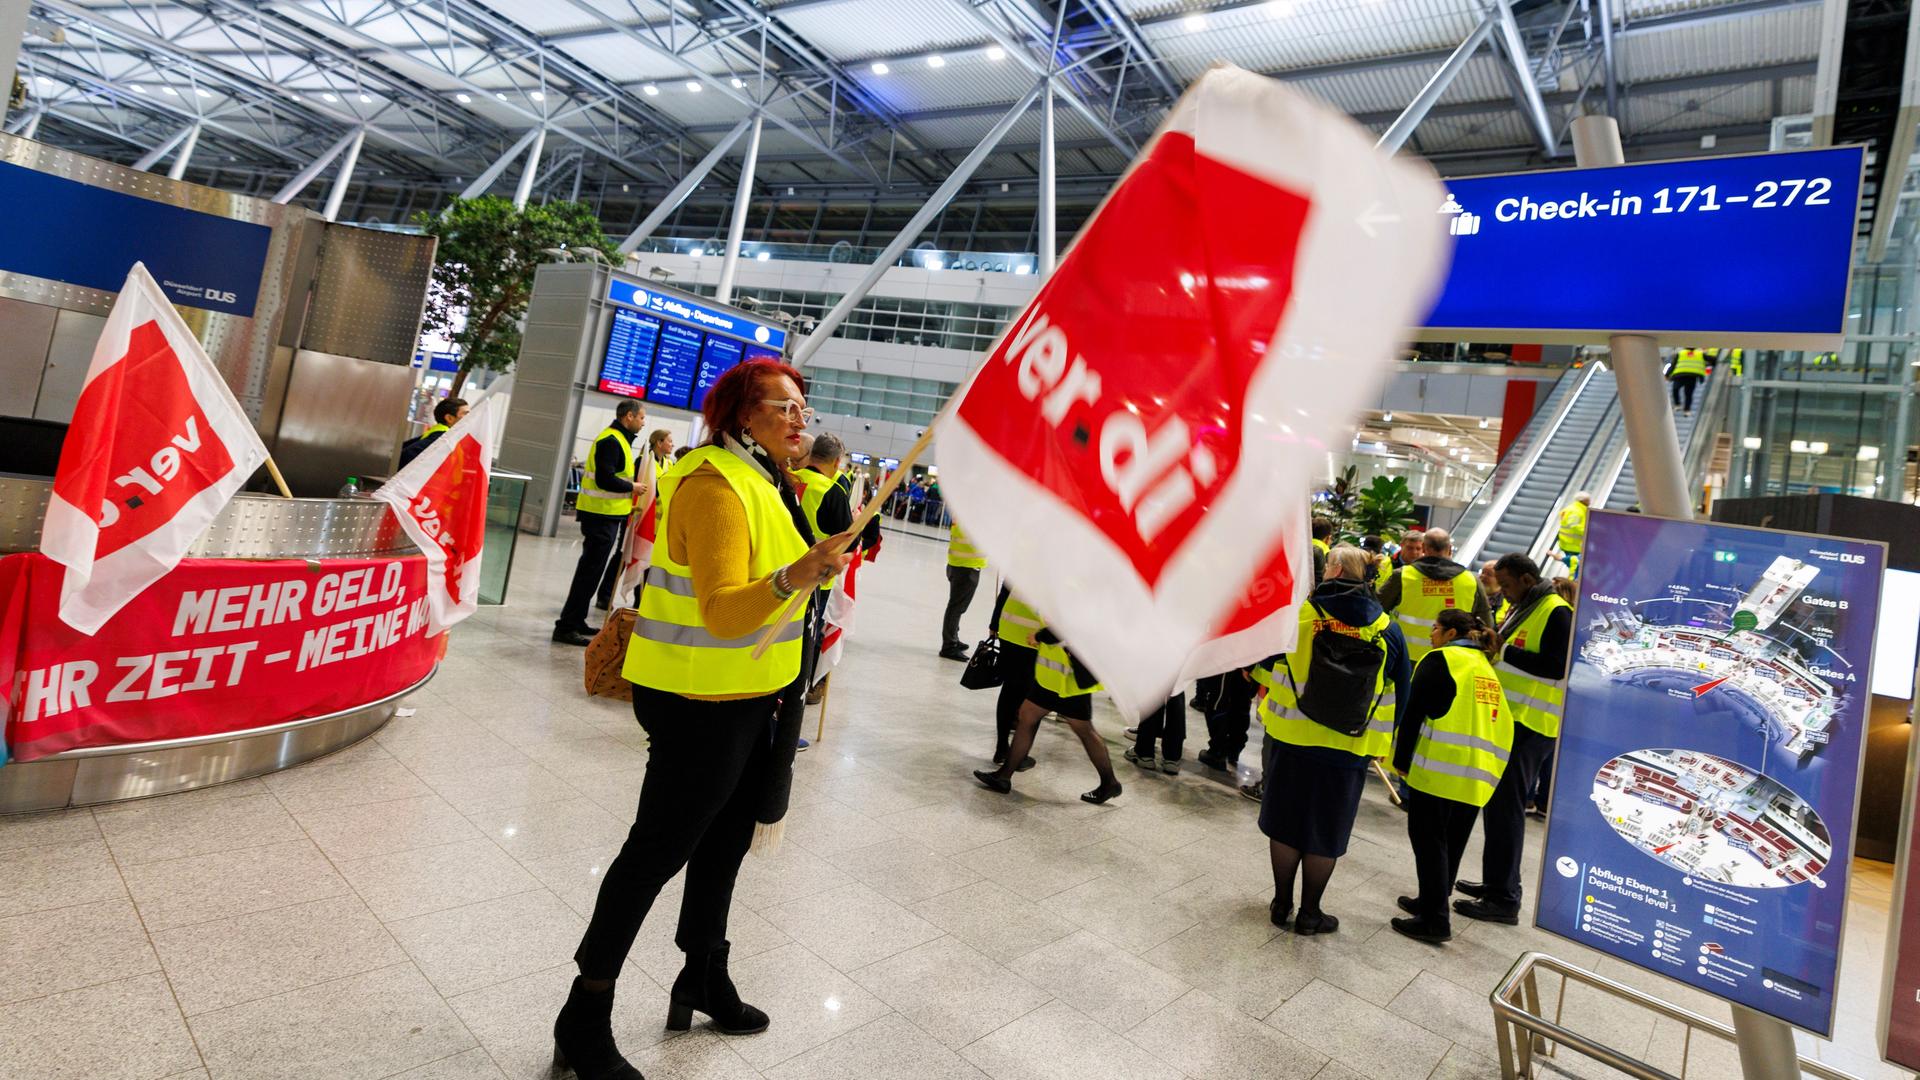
(961, 583)
(1230, 716)
(1166, 725)
(1438, 830)
(595, 572)
(1506, 817)
(1206, 691)
(1016, 675)
(1684, 384)
(706, 774)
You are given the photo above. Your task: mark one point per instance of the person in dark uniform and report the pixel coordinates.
(608, 494)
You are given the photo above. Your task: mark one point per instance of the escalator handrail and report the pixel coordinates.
(1563, 387)
(1706, 430)
(1503, 498)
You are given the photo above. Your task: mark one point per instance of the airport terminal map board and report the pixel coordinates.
(1705, 783)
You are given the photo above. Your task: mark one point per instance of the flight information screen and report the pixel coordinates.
(675, 365)
(716, 356)
(630, 346)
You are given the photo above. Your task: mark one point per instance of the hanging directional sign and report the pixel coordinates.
(1753, 250)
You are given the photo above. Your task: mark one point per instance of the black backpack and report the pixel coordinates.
(1341, 678)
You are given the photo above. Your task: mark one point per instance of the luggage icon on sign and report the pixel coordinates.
(1464, 223)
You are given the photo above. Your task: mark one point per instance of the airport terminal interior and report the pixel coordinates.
(1430, 485)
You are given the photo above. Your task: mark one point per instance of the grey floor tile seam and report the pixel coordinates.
(165, 975)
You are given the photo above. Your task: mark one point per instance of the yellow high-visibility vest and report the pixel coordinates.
(671, 649)
(1383, 569)
(1573, 528)
(961, 552)
(1736, 361)
(1461, 755)
(1321, 546)
(815, 486)
(1536, 702)
(1018, 622)
(1280, 712)
(435, 430)
(592, 499)
(1054, 671)
(1422, 599)
(1690, 362)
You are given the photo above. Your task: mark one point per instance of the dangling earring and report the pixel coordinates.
(746, 440)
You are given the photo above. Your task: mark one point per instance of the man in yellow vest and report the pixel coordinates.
(1737, 361)
(1573, 531)
(447, 413)
(608, 494)
(1428, 585)
(1322, 543)
(964, 563)
(1536, 643)
(1689, 367)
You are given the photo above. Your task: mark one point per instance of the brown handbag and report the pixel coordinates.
(607, 654)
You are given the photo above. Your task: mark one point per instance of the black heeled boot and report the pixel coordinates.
(705, 987)
(583, 1037)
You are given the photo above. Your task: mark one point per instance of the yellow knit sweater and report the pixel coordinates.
(707, 533)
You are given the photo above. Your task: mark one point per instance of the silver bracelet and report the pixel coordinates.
(782, 587)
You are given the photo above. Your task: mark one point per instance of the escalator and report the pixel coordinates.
(1612, 481)
(1512, 510)
(1623, 494)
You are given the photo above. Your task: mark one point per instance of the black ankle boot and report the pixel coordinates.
(583, 1037)
(705, 987)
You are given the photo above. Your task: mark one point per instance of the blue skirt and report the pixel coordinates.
(1310, 797)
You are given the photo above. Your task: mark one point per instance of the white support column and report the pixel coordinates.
(13, 27)
(345, 176)
(32, 127)
(306, 176)
(684, 188)
(1049, 226)
(525, 190)
(1416, 110)
(1651, 438)
(737, 229)
(185, 154)
(1528, 90)
(927, 212)
(485, 180)
(154, 156)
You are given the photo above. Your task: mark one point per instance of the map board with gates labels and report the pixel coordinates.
(1705, 785)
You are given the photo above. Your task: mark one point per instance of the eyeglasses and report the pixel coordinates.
(795, 412)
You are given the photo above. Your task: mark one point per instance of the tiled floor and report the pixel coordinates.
(408, 907)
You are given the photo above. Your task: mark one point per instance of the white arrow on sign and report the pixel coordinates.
(1372, 216)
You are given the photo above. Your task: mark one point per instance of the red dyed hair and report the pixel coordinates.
(734, 394)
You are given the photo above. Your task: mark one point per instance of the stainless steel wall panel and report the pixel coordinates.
(68, 354)
(344, 416)
(27, 331)
(368, 294)
(251, 526)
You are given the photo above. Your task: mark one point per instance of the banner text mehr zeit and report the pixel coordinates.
(384, 619)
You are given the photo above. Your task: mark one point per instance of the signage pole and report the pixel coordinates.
(1651, 437)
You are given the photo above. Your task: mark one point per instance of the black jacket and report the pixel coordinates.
(1556, 640)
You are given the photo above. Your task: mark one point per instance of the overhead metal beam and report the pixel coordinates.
(524, 190)
(183, 156)
(915, 226)
(1416, 110)
(154, 156)
(1604, 10)
(682, 189)
(492, 172)
(1047, 221)
(1526, 90)
(737, 228)
(1900, 151)
(1826, 78)
(1018, 51)
(345, 176)
(1149, 59)
(292, 189)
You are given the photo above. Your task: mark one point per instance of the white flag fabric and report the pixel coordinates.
(157, 447)
(1134, 452)
(440, 500)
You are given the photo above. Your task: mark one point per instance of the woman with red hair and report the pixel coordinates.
(729, 557)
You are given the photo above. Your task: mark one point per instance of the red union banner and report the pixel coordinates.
(440, 499)
(216, 645)
(1135, 453)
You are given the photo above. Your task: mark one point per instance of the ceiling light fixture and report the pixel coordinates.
(693, 87)
(329, 96)
(738, 83)
(936, 61)
(650, 90)
(537, 96)
(202, 91)
(1279, 9)
(170, 91)
(1195, 21)
(138, 89)
(995, 52)
(498, 96)
(761, 256)
(880, 68)
(464, 99)
(366, 99)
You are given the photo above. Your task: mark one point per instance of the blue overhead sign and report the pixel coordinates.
(200, 260)
(1708, 770)
(1752, 250)
(708, 319)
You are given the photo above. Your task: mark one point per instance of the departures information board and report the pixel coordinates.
(1707, 775)
(670, 348)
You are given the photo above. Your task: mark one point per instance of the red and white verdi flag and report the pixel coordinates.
(642, 526)
(839, 617)
(1134, 453)
(156, 448)
(440, 499)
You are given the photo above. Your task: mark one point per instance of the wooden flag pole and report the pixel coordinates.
(1393, 795)
(826, 691)
(847, 538)
(278, 480)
